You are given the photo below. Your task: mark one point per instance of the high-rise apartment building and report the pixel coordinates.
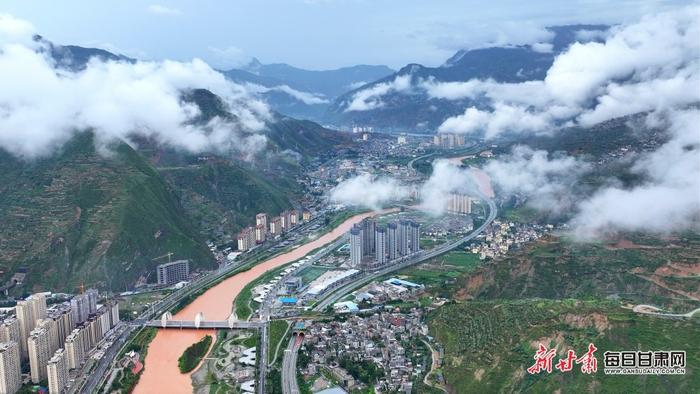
(260, 232)
(459, 204)
(57, 371)
(246, 239)
(10, 369)
(355, 246)
(392, 241)
(74, 347)
(372, 245)
(28, 311)
(113, 313)
(80, 308)
(9, 331)
(92, 295)
(414, 239)
(276, 226)
(62, 315)
(368, 246)
(261, 220)
(173, 272)
(39, 347)
(403, 238)
(380, 243)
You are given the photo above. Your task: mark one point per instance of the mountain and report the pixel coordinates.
(75, 58)
(284, 133)
(104, 217)
(79, 216)
(409, 107)
(303, 93)
(82, 216)
(330, 83)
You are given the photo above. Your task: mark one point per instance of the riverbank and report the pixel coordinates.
(161, 373)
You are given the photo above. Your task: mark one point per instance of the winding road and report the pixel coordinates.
(656, 311)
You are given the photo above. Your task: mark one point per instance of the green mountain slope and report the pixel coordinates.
(80, 217)
(222, 197)
(488, 345)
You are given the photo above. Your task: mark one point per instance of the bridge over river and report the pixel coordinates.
(199, 322)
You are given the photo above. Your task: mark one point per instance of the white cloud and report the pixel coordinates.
(375, 192)
(585, 35)
(42, 107)
(163, 10)
(474, 35)
(371, 98)
(545, 181)
(504, 118)
(305, 97)
(669, 199)
(16, 31)
(367, 191)
(446, 178)
(542, 47)
(655, 60)
(652, 66)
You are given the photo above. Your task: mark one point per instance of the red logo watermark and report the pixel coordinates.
(544, 358)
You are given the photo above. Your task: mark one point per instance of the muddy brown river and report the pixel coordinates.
(161, 374)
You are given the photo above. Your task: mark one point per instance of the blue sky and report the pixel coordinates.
(314, 34)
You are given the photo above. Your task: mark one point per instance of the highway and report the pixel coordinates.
(94, 379)
(335, 295)
(262, 357)
(289, 366)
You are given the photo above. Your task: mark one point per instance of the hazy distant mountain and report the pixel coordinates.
(75, 58)
(330, 83)
(304, 93)
(413, 109)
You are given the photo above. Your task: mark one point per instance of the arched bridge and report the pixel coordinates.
(166, 321)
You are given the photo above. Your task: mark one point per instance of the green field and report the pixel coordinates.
(277, 332)
(442, 270)
(564, 268)
(488, 345)
(310, 273)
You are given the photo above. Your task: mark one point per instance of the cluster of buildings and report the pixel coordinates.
(362, 129)
(449, 140)
(264, 226)
(384, 338)
(373, 157)
(374, 245)
(499, 237)
(51, 340)
(389, 290)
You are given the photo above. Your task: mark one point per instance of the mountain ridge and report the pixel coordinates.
(413, 109)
